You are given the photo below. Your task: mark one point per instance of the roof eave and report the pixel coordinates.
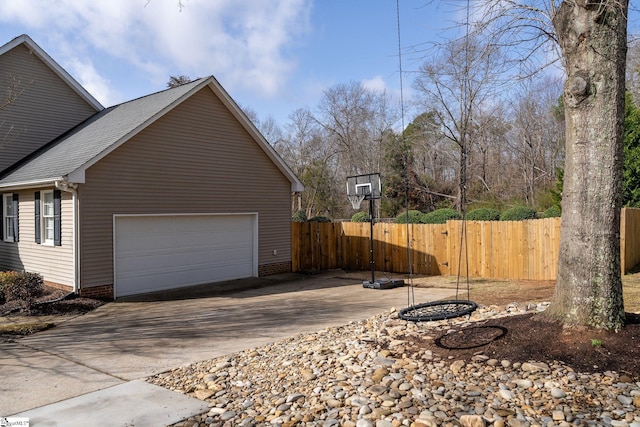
(23, 185)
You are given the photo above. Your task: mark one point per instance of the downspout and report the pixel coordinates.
(70, 187)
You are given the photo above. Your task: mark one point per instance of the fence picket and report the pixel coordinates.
(496, 249)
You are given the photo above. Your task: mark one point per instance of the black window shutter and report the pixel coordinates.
(16, 207)
(57, 222)
(38, 220)
(2, 219)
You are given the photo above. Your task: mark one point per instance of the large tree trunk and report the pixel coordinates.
(593, 37)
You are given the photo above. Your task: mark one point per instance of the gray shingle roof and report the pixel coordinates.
(96, 135)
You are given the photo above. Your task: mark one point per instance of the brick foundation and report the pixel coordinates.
(277, 268)
(104, 292)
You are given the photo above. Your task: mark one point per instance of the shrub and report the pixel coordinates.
(415, 217)
(7, 278)
(24, 287)
(552, 212)
(319, 219)
(483, 214)
(440, 216)
(360, 217)
(299, 216)
(518, 213)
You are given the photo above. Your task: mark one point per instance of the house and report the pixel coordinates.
(173, 189)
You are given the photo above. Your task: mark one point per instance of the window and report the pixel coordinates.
(47, 217)
(10, 217)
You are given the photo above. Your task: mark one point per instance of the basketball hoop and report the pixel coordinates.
(355, 200)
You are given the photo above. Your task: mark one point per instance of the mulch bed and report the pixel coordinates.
(529, 337)
(43, 305)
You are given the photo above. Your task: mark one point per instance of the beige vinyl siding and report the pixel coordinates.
(54, 263)
(195, 159)
(45, 108)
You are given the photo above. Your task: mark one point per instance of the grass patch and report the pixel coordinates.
(501, 292)
(25, 328)
(506, 292)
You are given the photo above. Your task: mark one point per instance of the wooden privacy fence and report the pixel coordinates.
(629, 239)
(525, 250)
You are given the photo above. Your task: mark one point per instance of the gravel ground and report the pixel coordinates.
(363, 375)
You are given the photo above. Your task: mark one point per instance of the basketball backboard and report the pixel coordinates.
(367, 185)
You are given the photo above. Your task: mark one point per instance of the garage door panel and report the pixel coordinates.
(184, 274)
(153, 260)
(164, 252)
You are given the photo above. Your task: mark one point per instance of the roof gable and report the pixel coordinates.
(39, 101)
(68, 157)
(55, 67)
(296, 184)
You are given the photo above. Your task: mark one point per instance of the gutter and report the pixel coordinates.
(30, 184)
(70, 187)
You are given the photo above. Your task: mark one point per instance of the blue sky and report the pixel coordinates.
(273, 56)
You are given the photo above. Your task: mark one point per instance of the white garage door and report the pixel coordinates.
(153, 253)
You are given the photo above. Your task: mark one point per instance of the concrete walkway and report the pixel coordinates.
(137, 338)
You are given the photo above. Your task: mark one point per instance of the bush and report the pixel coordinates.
(24, 287)
(483, 214)
(440, 216)
(360, 217)
(319, 219)
(299, 216)
(518, 213)
(415, 217)
(552, 212)
(7, 278)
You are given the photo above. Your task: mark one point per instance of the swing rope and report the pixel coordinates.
(410, 293)
(437, 310)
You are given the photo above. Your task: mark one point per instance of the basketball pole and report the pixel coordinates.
(372, 261)
(382, 283)
(368, 187)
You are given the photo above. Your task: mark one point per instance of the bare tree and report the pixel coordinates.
(536, 136)
(356, 123)
(432, 157)
(175, 81)
(456, 83)
(271, 131)
(305, 150)
(490, 175)
(633, 70)
(356, 120)
(268, 127)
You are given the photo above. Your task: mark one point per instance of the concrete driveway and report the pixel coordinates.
(133, 339)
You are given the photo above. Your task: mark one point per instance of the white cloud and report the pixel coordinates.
(243, 42)
(93, 82)
(376, 84)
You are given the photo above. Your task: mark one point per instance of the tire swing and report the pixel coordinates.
(441, 310)
(435, 310)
